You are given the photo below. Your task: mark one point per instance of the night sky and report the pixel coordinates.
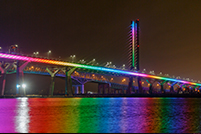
(170, 31)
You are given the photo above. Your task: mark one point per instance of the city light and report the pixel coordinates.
(47, 61)
(23, 85)
(124, 80)
(17, 85)
(48, 53)
(36, 53)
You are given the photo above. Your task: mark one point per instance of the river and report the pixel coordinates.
(100, 115)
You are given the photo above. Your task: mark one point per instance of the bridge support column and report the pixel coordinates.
(162, 89)
(195, 89)
(150, 89)
(82, 88)
(103, 87)
(3, 78)
(51, 89)
(20, 77)
(121, 91)
(139, 84)
(130, 85)
(150, 85)
(172, 87)
(68, 81)
(76, 89)
(107, 86)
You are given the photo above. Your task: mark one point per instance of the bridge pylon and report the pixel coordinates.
(134, 55)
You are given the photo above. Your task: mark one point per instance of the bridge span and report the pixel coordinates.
(20, 62)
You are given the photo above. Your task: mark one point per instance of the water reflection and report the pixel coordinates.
(7, 115)
(22, 116)
(100, 115)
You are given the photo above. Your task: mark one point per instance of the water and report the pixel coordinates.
(100, 115)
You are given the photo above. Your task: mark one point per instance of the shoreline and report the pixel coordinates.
(107, 96)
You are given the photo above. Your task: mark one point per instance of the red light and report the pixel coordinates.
(138, 45)
(137, 19)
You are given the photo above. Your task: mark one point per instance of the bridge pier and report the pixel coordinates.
(103, 87)
(20, 77)
(68, 81)
(162, 86)
(76, 89)
(139, 84)
(82, 89)
(3, 78)
(52, 83)
(130, 85)
(151, 82)
(179, 87)
(172, 87)
(195, 89)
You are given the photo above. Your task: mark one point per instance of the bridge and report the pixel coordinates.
(20, 64)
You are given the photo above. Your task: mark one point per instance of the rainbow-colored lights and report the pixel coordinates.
(100, 115)
(133, 43)
(61, 63)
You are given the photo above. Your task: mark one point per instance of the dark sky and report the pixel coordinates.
(170, 31)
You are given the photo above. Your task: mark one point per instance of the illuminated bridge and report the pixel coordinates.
(76, 75)
(19, 65)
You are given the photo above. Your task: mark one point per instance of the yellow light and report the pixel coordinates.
(111, 78)
(157, 84)
(142, 82)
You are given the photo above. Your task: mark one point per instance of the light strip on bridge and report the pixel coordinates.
(40, 60)
(133, 43)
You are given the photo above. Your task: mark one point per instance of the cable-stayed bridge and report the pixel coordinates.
(86, 73)
(138, 82)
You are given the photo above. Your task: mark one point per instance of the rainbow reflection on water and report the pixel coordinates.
(100, 115)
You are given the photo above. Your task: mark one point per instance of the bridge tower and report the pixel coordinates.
(134, 54)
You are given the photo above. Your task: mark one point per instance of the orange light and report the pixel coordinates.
(124, 80)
